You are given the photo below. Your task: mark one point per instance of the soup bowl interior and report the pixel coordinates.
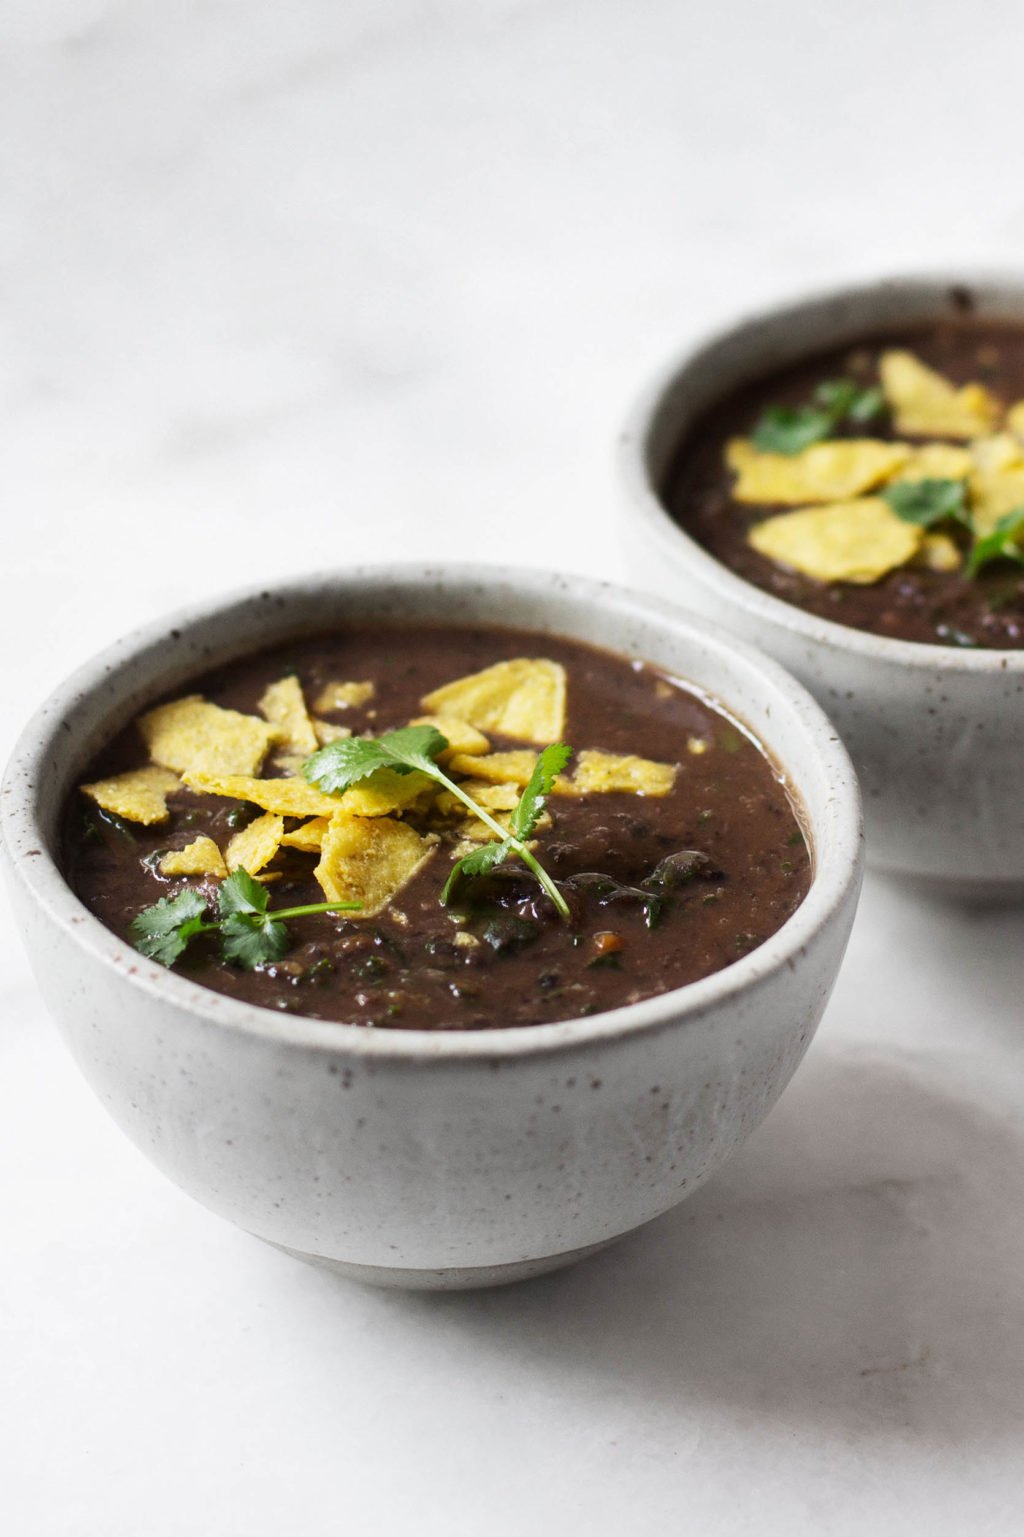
(415, 1157)
(933, 730)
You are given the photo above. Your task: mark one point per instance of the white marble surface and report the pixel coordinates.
(287, 286)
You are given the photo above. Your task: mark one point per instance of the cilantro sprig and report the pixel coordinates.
(251, 934)
(790, 429)
(341, 764)
(1005, 542)
(927, 502)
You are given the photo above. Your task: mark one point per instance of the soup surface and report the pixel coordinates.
(670, 837)
(931, 580)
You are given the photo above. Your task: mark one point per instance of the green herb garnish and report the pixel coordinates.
(1005, 542)
(790, 429)
(250, 934)
(415, 748)
(927, 502)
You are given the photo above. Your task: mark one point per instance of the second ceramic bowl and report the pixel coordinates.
(936, 733)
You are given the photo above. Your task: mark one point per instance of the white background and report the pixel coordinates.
(285, 286)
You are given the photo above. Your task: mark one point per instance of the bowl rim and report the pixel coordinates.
(643, 418)
(23, 841)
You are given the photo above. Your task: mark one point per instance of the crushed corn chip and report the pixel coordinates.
(936, 461)
(369, 860)
(308, 836)
(256, 845)
(1015, 419)
(925, 404)
(285, 708)
(938, 552)
(459, 734)
(286, 797)
(201, 857)
(193, 736)
(825, 472)
(496, 768)
(343, 696)
(608, 771)
(496, 797)
(327, 731)
(138, 796)
(524, 698)
(997, 480)
(384, 792)
(856, 541)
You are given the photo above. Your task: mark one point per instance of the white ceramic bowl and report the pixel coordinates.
(409, 1157)
(936, 733)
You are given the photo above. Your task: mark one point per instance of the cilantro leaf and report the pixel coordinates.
(546, 770)
(926, 502)
(163, 931)
(844, 399)
(478, 862)
(240, 893)
(253, 939)
(790, 429)
(1005, 542)
(343, 763)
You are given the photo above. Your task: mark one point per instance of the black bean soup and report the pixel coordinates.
(937, 607)
(662, 890)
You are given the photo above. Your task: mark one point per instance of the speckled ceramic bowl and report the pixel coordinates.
(936, 733)
(405, 1157)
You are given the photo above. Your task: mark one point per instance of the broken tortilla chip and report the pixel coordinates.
(256, 845)
(287, 797)
(140, 795)
(938, 552)
(201, 857)
(327, 731)
(996, 483)
(856, 541)
(284, 707)
(607, 772)
(343, 696)
(496, 768)
(308, 836)
(368, 860)
(192, 735)
(1015, 419)
(936, 461)
(925, 404)
(824, 472)
(523, 697)
(459, 734)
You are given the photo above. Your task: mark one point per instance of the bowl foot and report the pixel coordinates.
(457, 1278)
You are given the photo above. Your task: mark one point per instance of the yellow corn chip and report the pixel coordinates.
(343, 696)
(524, 697)
(459, 734)
(496, 797)
(936, 461)
(472, 830)
(327, 731)
(385, 791)
(925, 404)
(308, 836)
(496, 768)
(1015, 419)
(287, 797)
(938, 552)
(201, 857)
(997, 480)
(256, 845)
(825, 472)
(192, 735)
(369, 860)
(285, 708)
(138, 796)
(857, 541)
(607, 772)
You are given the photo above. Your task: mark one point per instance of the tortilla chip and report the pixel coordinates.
(369, 860)
(857, 541)
(825, 472)
(327, 731)
(287, 797)
(459, 734)
(997, 481)
(308, 837)
(256, 845)
(936, 461)
(1015, 419)
(284, 707)
(925, 404)
(607, 772)
(193, 736)
(496, 768)
(938, 552)
(343, 696)
(201, 857)
(524, 698)
(138, 796)
(385, 791)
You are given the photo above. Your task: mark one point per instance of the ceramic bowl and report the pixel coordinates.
(409, 1157)
(934, 732)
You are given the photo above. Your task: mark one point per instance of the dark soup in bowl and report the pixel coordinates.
(438, 828)
(879, 485)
